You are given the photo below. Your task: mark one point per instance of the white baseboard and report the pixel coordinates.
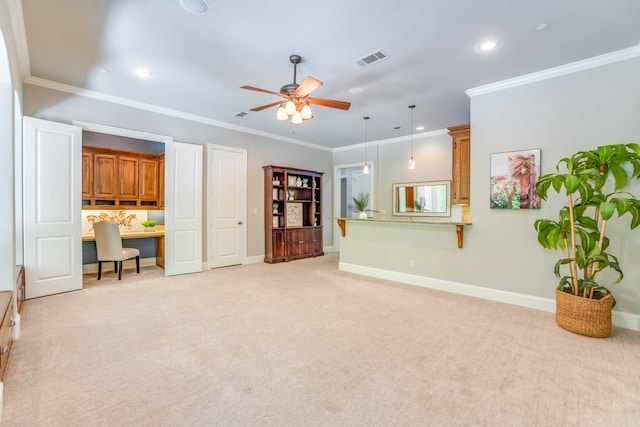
(257, 259)
(623, 320)
(108, 266)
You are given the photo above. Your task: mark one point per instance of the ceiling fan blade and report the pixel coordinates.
(263, 107)
(257, 89)
(308, 85)
(342, 105)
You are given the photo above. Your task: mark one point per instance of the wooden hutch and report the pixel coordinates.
(292, 213)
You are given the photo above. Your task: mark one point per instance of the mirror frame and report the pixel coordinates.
(396, 187)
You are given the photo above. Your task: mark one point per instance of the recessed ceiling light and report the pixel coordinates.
(197, 7)
(542, 26)
(489, 45)
(356, 90)
(420, 128)
(143, 73)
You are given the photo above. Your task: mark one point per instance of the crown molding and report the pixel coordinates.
(573, 67)
(395, 140)
(16, 18)
(74, 90)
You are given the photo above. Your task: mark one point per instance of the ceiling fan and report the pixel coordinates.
(297, 97)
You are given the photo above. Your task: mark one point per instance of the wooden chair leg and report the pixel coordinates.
(120, 271)
(138, 264)
(99, 269)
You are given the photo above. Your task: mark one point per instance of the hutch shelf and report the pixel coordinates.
(292, 214)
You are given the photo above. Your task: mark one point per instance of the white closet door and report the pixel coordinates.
(52, 156)
(227, 209)
(183, 208)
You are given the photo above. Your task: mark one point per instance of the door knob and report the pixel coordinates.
(239, 222)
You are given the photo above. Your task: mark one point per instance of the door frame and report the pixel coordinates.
(210, 208)
(337, 194)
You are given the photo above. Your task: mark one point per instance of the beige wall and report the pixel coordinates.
(62, 107)
(560, 116)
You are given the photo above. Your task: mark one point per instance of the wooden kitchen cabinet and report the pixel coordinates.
(87, 175)
(128, 181)
(461, 164)
(149, 181)
(293, 214)
(161, 181)
(118, 179)
(105, 177)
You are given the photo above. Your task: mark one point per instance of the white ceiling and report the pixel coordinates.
(199, 62)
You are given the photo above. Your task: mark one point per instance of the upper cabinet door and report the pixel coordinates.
(149, 179)
(87, 175)
(127, 177)
(105, 177)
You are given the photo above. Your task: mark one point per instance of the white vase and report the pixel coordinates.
(362, 215)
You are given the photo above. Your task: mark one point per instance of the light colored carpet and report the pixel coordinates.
(302, 344)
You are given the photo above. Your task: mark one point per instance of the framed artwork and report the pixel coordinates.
(513, 180)
(294, 214)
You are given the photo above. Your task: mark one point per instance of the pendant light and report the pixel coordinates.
(412, 164)
(365, 169)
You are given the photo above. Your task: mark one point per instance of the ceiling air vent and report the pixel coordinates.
(240, 114)
(371, 58)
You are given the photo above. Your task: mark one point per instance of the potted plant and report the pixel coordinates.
(149, 225)
(360, 204)
(275, 207)
(593, 182)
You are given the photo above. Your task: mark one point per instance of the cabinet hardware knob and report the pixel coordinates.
(239, 222)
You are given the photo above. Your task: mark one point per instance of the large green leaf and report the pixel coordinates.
(607, 209)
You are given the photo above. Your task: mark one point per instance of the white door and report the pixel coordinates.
(227, 206)
(52, 156)
(183, 208)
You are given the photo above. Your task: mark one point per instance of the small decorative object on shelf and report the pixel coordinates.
(275, 208)
(292, 180)
(299, 182)
(305, 182)
(292, 194)
(276, 180)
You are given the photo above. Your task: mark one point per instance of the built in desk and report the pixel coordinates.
(158, 234)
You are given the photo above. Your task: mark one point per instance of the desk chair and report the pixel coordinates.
(109, 246)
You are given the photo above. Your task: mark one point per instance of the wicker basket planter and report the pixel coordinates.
(584, 316)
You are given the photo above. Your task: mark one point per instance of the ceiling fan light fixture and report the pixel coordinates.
(290, 107)
(296, 118)
(306, 112)
(281, 114)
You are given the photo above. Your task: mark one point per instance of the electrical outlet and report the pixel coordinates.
(412, 263)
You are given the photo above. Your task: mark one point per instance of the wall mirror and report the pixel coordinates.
(430, 198)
